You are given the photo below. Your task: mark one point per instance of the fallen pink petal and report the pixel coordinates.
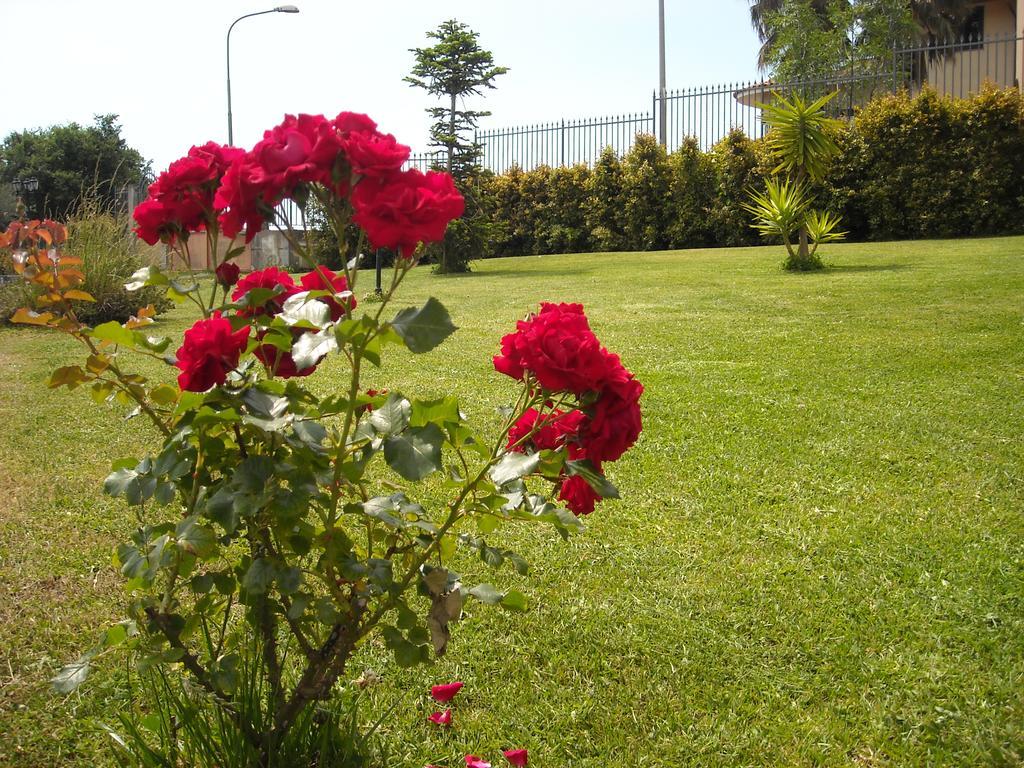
(441, 718)
(472, 761)
(516, 757)
(445, 693)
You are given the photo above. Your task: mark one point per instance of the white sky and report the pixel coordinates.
(160, 64)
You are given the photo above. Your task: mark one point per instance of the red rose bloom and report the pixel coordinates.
(558, 348)
(375, 154)
(615, 423)
(404, 209)
(209, 352)
(271, 278)
(323, 279)
(227, 273)
(555, 431)
(280, 363)
(349, 122)
(578, 496)
(181, 200)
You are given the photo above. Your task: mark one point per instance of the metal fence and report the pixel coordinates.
(708, 114)
(426, 161)
(566, 142)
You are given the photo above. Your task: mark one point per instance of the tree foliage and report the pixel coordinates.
(70, 160)
(453, 69)
(808, 39)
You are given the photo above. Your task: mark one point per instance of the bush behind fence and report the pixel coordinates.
(708, 114)
(911, 167)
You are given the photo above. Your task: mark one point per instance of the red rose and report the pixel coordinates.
(182, 199)
(349, 122)
(301, 149)
(323, 279)
(244, 199)
(209, 352)
(227, 273)
(280, 363)
(272, 279)
(615, 424)
(405, 209)
(155, 222)
(578, 496)
(555, 431)
(375, 154)
(557, 347)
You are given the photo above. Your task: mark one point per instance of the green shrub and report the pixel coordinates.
(692, 197)
(928, 166)
(605, 215)
(564, 220)
(739, 166)
(646, 180)
(908, 167)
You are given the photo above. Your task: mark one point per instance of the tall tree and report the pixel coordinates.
(68, 159)
(453, 69)
(806, 36)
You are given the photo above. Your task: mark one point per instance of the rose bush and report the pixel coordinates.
(277, 529)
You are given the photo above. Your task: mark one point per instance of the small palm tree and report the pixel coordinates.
(802, 140)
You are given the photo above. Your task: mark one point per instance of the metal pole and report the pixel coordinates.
(662, 114)
(279, 9)
(378, 290)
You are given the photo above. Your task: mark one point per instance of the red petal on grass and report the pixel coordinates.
(445, 693)
(472, 761)
(441, 718)
(517, 757)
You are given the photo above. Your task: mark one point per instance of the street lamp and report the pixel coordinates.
(21, 186)
(662, 93)
(279, 9)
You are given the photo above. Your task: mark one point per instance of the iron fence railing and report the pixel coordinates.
(427, 161)
(709, 113)
(566, 142)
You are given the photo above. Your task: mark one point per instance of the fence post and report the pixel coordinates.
(893, 67)
(561, 135)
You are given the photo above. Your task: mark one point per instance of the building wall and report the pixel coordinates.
(201, 258)
(997, 62)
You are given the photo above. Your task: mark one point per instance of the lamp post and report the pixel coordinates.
(662, 93)
(279, 9)
(21, 186)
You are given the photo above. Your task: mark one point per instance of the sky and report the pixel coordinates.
(160, 64)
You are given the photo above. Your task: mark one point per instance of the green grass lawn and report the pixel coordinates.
(818, 558)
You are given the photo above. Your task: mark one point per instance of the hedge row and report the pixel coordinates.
(911, 167)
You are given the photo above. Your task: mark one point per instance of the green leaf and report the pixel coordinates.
(392, 417)
(252, 474)
(415, 453)
(441, 412)
(146, 276)
(313, 347)
(424, 328)
(72, 675)
(259, 576)
(486, 593)
(114, 332)
(164, 394)
(69, 376)
(513, 466)
(514, 601)
(601, 485)
(196, 539)
(386, 509)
